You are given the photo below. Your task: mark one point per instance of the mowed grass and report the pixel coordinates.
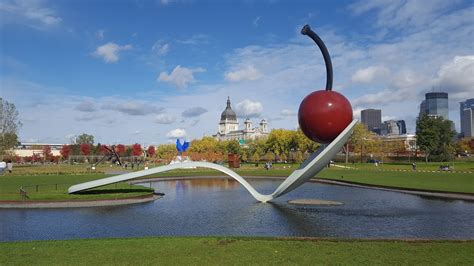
(437, 181)
(50, 182)
(232, 251)
(54, 187)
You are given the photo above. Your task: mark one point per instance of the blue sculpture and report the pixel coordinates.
(181, 147)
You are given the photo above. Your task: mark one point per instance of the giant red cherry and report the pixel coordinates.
(324, 114)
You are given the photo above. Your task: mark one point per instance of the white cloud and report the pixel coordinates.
(33, 13)
(160, 48)
(370, 74)
(86, 106)
(402, 14)
(195, 39)
(287, 112)
(388, 117)
(247, 73)
(164, 119)
(133, 108)
(457, 76)
(256, 21)
(193, 112)
(180, 76)
(88, 117)
(176, 133)
(110, 51)
(247, 108)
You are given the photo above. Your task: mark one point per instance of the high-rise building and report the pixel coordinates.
(401, 127)
(372, 119)
(422, 108)
(435, 104)
(467, 118)
(390, 127)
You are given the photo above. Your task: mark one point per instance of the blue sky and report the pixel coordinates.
(150, 71)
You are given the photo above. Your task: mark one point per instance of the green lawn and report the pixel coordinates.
(232, 251)
(54, 187)
(53, 180)
(439, 181)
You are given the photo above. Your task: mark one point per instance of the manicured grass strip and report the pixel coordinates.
(232, 251)
(449, 182)
(54, 187)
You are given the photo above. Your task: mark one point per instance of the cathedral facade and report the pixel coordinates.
(228, 128)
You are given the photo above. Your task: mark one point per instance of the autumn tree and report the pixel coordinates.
(206, 144)
(166, 151)
(65, 151)
(359, 140)
(47, 154)
(281, 141)
(462, 146)
(103, 149)
(120, 149)
(233, 146)
(303, 143)
(85, 149)
(137, 149)
(9, 126)
(150, 151)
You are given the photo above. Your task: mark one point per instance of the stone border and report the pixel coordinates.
(425, 193)
(77, 203)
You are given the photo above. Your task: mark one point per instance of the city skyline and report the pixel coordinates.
(148, 70)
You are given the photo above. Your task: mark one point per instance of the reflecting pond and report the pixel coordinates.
(203, 207)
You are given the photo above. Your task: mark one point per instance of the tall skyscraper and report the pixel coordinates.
(402, 127)
(372, 118)
(422, 108)
(390, 127)
(435, 104)
(467, 118)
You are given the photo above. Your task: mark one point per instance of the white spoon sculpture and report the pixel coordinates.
(313, 165)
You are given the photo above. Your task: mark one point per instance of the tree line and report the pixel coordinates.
(435, 141)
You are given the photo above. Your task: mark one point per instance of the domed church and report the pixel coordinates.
(229, 127)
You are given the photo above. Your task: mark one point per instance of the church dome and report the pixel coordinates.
(228, 113)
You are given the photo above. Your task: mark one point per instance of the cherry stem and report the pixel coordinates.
(327, 58)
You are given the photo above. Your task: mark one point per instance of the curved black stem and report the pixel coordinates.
(327, 58)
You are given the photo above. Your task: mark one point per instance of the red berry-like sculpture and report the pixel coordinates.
(323, 114)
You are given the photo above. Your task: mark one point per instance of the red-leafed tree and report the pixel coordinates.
(136, 149)
(120, 149)
(151, 151)
(47, 152)
(85, 149)
(65, 151)
(103, 150)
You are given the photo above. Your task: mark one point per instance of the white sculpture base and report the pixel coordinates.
(313, 165)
